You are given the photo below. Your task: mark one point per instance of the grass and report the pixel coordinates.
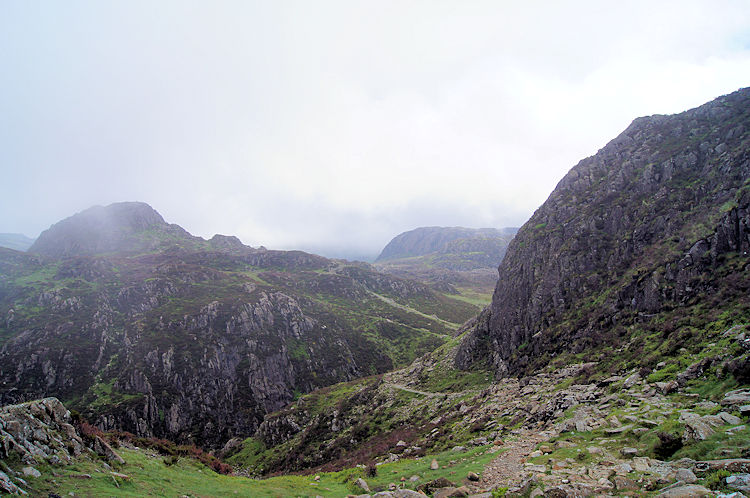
(150, 474)
(471, 296)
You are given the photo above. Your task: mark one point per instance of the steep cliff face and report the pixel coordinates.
(198, 342)
(657, 221)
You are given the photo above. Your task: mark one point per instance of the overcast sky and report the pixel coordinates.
(333, 126)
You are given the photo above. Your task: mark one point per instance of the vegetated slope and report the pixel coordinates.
(636, 250)
(456, 260)
(196, 340)
(16, 241)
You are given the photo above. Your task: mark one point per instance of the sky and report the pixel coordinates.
(332, 126)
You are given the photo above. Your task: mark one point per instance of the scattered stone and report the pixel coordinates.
(401, 443)
(363, 485)
(618, 430)
(594, 450)
(104, 449)
(623, 469)
(729, 418)
(738, 397)
(667, 387)
(414, 478)
(623, 483)
(458, 448)
(631, 381)
(628, 451)
(537, 469)
(685, 491)
(472, 476)
(734, 465)
(402, 493)
(535, 454)
(451, 492)
(739, 481)
(434, 465)
(31, 472)
(686, 476)
(316, 478)
(641, 464)
(124, 477)
(431, 486)
(696, 428)
(81, 476)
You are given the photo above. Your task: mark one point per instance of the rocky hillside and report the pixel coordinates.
(16, 241)
(613, 359)
(196, 340)
(637, 249)
(456, 260)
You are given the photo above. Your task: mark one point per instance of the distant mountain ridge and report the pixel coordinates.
(456, 260)
(16, 241)
(426, 240)
(123, 227)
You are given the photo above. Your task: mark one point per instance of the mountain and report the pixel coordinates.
(142, 327)
(426, 240)
(637, 250)
(16, 241)
(125, 227)
(612, 360)
(455, 260)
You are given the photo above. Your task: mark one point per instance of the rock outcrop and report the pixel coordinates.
(38, 432)
(659, 219)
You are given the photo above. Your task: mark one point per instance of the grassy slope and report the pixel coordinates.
(150, 475)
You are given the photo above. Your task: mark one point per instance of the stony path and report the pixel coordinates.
(507, 469)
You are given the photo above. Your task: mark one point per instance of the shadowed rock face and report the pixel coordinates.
(638, 228)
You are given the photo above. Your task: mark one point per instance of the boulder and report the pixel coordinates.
(740, 482)
(31, 472)
(738, 398)
(685, 491)
(622, 483)
(686, 476)
(361, 483)
(696, 428)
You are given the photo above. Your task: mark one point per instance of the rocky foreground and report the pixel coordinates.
(545, 435)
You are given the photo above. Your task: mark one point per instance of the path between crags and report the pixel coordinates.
(507, 469)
